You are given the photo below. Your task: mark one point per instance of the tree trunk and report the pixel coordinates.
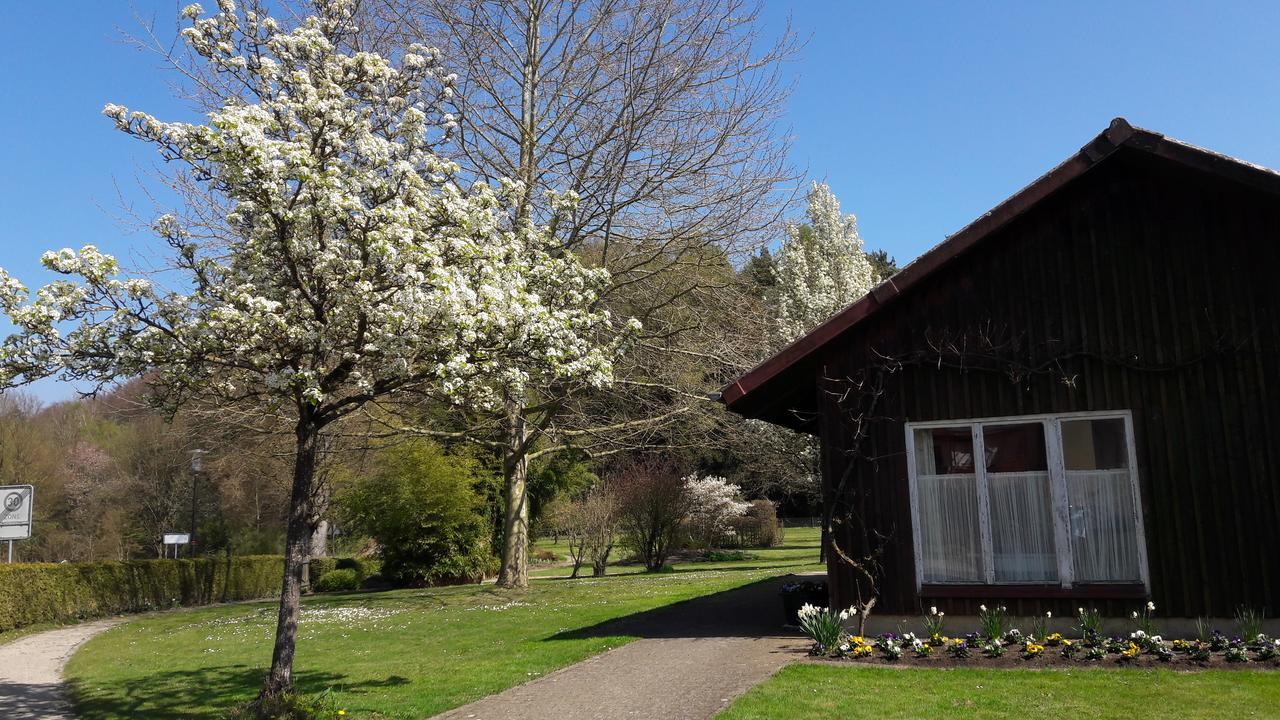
(280, 678)
(515, 465)
(319, 546)
(515, 527)
(600, 565)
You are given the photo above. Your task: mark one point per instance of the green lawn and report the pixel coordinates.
(817, 691)
(400, 654)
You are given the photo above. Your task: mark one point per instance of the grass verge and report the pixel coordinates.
(400, 654)
(817, 691)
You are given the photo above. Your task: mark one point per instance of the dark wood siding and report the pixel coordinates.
(1141, 286)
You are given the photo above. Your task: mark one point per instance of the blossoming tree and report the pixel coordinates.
(713, 502)
(354, 267)
(822, 267)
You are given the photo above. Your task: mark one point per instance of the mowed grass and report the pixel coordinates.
(399, 654)
(800, 546)
(817, 691)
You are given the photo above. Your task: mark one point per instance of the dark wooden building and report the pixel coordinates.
(1074, 400)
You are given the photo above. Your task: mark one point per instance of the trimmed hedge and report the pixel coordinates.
(47, 592)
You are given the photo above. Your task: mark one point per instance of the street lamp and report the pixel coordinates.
(197, 464)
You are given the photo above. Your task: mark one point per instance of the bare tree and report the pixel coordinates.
(653, 504)
(592, 524)
(660, 116)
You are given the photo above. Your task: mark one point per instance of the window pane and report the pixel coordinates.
(1104, 532)
(1021, 503)
(1094, 444)
(947, 493)
(950, 543)
(1015, 448)
(944, 451)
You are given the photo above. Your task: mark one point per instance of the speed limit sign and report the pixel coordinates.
(15, 511)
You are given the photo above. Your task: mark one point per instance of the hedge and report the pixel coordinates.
(364, 568)
(339, 580)
(54, 593)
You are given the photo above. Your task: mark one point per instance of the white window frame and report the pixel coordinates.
(1052, 423)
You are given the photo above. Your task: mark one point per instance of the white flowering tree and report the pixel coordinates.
(354, 266)
(712, 503)
(821, 267)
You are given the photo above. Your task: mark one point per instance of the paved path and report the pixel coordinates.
(693, 659)
(31, 671)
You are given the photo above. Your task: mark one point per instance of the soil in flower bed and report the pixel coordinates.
(1050, 658)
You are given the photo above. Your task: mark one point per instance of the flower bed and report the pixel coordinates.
(998, 644)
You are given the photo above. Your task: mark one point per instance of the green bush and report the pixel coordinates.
(319, 567)
(423, 508)
(364, 568)
(337, 581)
(759, 527)
(46, 592)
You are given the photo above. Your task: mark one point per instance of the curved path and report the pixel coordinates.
(692, 661)
(31, 671)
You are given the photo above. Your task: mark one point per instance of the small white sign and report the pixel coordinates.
(15, 511)
(177, 538)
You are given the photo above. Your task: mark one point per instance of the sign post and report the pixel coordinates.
(15, 513)
(175, 539)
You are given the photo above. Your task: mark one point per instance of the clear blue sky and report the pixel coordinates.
(921, 115)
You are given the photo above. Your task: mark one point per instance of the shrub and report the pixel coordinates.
(46, 592)
(319, 567)
(364, 568)
(422, 507)
(713, 504)
(759, 527)
(338, 580)
(591, 523)
(653, 502)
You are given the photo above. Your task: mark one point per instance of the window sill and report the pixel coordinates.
(1097, 591)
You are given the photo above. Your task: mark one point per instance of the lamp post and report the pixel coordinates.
(197, 464)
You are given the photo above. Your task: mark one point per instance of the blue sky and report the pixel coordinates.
(921, 115)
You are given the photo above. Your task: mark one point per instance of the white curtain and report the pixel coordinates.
(1104, 535)
(1021, 507)
(951, 545)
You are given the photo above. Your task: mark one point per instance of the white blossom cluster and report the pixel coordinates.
(821, 268)
(713, 502)
(357, 265)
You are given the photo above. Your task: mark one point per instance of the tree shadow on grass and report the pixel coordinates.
(750, 611)
(207, 692)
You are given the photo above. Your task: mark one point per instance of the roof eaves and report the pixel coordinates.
(1118, 133)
